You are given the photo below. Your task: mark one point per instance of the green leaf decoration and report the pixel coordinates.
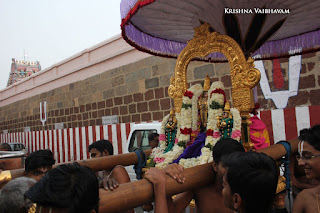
(215, 105)
(186, 106)
(182, 144)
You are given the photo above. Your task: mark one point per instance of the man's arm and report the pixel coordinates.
(157, 178)
(117, 176)
(175, 171)
(120, 174)
(182, 200)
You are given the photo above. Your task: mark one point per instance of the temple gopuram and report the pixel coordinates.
(21, 69)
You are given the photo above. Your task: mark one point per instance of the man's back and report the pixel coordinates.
(209, 199)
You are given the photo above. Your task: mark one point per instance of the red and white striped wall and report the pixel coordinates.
(285, 124)
(71, 144)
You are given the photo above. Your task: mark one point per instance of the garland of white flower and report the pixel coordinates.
(187, 122)
(163, 131)
(206, 153)
(197, 91)
(187, 113)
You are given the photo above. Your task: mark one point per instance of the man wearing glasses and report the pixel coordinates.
(309, 157)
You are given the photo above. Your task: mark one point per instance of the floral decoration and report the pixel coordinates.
(186, 131)
(187, 127)
(187, 124)
(206, 151)
(188, 94)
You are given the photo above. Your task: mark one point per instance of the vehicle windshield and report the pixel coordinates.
(18, 147)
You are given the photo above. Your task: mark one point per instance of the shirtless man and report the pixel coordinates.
(209, 198)
(38, 163)
(67, 188)
(157, 178)
(108, 179)
(250, 182)
(309, 157)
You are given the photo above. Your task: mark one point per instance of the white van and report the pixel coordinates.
(138, 139)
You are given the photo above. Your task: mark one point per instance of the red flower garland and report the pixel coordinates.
(219, 91)
(186, 131)
(209, 132)
(188, 94)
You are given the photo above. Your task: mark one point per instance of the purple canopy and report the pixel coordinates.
(264, 28)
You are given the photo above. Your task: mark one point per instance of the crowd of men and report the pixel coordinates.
(244, 181)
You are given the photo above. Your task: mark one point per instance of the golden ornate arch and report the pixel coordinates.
(243, 74)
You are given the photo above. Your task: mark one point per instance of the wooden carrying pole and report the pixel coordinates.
(276, 151)
(98, 164)
(136, 193)
(130, 195)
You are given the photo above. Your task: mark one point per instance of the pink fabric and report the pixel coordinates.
(258, 133)
(236, 134)
(216, 135)
(175, 140)
(162, 137)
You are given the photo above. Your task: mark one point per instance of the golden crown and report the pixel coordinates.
(227, 106)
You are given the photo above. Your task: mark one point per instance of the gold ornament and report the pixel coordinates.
(174, 121)
(33, 208)
(243, 74)
(227, 107)
(206, 83)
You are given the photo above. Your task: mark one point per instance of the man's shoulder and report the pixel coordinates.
(206, 191)
(306, 193)
(304, 200)
(309, 192)
(119, 168)
(120, 174)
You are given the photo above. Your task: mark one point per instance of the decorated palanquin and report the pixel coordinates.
(202, 115)
(205, 117)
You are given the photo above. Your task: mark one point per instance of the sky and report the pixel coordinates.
(50, 31)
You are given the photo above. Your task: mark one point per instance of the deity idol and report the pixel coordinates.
(197, 130)
(225, 122)
(170, 131)
(203, 105)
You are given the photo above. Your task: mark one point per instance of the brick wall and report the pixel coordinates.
(139, 92)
